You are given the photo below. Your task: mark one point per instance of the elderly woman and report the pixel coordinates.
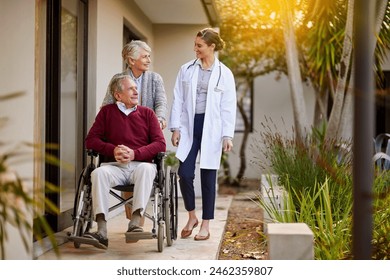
(136, 55)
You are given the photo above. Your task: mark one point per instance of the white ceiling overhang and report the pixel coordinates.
(179, 11)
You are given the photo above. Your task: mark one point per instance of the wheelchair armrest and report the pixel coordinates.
(160, 156)
(92, 153)
(159, 160)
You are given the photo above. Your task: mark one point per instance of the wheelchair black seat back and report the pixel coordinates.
(163, 199)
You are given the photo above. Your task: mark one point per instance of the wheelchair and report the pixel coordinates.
(164, 200)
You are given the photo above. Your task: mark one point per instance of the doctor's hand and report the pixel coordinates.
(175, 138)
(227, 145)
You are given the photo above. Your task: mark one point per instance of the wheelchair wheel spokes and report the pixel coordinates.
(174, 204)
(82, 211)
(171, 206)
(159, 214)
(167, 207)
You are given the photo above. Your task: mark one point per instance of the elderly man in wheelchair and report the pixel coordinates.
(131, 136)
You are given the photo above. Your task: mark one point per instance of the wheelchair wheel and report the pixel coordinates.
(167, 216)
(170, 208)
(174, 204)
(82, 210)
(160, 237)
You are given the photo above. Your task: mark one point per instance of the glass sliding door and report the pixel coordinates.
(65, 102)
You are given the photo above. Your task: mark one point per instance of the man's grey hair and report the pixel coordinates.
(116, 83)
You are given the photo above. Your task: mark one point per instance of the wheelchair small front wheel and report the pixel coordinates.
(160, 236)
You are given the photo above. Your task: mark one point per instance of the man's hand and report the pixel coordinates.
(123, 154)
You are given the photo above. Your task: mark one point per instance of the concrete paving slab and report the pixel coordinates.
(181, 249)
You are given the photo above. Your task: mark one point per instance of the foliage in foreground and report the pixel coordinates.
(331, 229)
(17, 207)
(318, 191)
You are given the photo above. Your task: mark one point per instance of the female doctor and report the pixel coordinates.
(202, 119)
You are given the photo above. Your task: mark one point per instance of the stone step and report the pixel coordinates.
(290, 241)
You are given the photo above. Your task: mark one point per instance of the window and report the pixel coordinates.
(66, 58)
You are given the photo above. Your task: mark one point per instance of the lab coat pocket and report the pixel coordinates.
(186, 89)
(185, 85)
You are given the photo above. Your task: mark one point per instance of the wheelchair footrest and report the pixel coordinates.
(133, 236)
(84, 240)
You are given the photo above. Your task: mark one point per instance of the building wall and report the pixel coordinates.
(17, 75)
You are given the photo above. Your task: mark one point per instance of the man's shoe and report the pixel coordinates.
(102, 242)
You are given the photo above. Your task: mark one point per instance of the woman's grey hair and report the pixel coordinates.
(210, 36)
(132, 49)
(116, 83)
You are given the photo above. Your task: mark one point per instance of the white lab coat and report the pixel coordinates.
(220, 115)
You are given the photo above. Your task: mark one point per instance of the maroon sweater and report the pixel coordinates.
(139, 131)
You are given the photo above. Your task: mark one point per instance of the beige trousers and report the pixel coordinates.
(109, 175)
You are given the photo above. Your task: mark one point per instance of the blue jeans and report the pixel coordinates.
(208, 177)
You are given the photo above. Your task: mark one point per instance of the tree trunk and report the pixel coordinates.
(380, 15)
(243, 88)
(346, 120)
(321, 108)
(345, 127)
(294, 74)
(241, 171)
(338, 101)
(227, 174)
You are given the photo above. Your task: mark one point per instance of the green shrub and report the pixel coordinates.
(331, 227)
(303, 166)
(381, 216)
(319, 192)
